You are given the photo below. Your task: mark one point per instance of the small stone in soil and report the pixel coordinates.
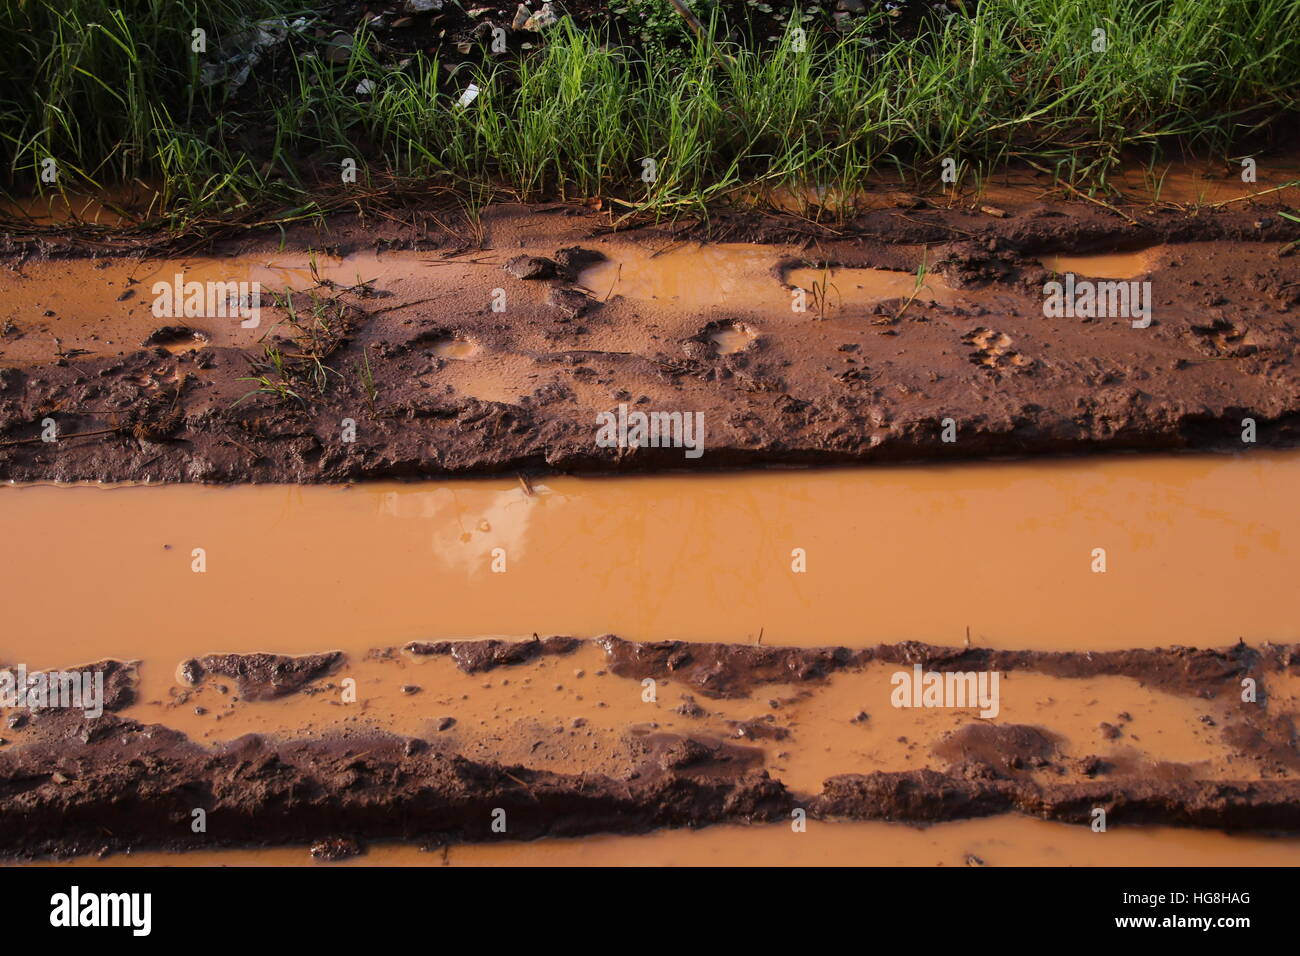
(532, 267)
(335, 848)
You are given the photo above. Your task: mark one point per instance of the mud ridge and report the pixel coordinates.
(929, 796)
(734, 670)
(261, 676)
(475, 656)
(76, 785)
(138, 787)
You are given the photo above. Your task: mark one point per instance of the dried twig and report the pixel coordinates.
(31, 441)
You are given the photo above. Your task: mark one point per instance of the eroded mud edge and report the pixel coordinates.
(734, 670)
(114, 785)
(138, 788)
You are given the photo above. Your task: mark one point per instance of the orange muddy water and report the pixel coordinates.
(1199, 550)
(107, 306)
(1120, 265)
(1004, 841)
(696, 277)
(112, 207)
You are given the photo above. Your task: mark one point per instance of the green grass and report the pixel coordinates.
(116, 97)
(110, 89)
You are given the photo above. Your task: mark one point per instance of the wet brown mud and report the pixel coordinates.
(909, 334)
(435, 743)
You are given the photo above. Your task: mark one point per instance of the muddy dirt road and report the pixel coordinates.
(414, 351)
(606, 665)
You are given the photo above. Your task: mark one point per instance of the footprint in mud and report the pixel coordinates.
(717, 338)
(993, 350)
(155, 378)
(1222, 339)
(176, 339)
(732, 337)
(459, 350)
(465, 368)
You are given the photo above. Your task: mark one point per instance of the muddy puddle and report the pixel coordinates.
(699, 278)
(1198, 184)
(849, 287)
(733, 338)
(1004, 841)
(569, 715)
(1102, 265)
(111, 207)
(1005, 549)
(75, 309)
(112, 306)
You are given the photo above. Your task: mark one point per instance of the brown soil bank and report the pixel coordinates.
(75, 785)
(143, 789)
(452, 360)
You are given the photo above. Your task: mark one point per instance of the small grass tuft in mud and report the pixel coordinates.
(292, 367)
